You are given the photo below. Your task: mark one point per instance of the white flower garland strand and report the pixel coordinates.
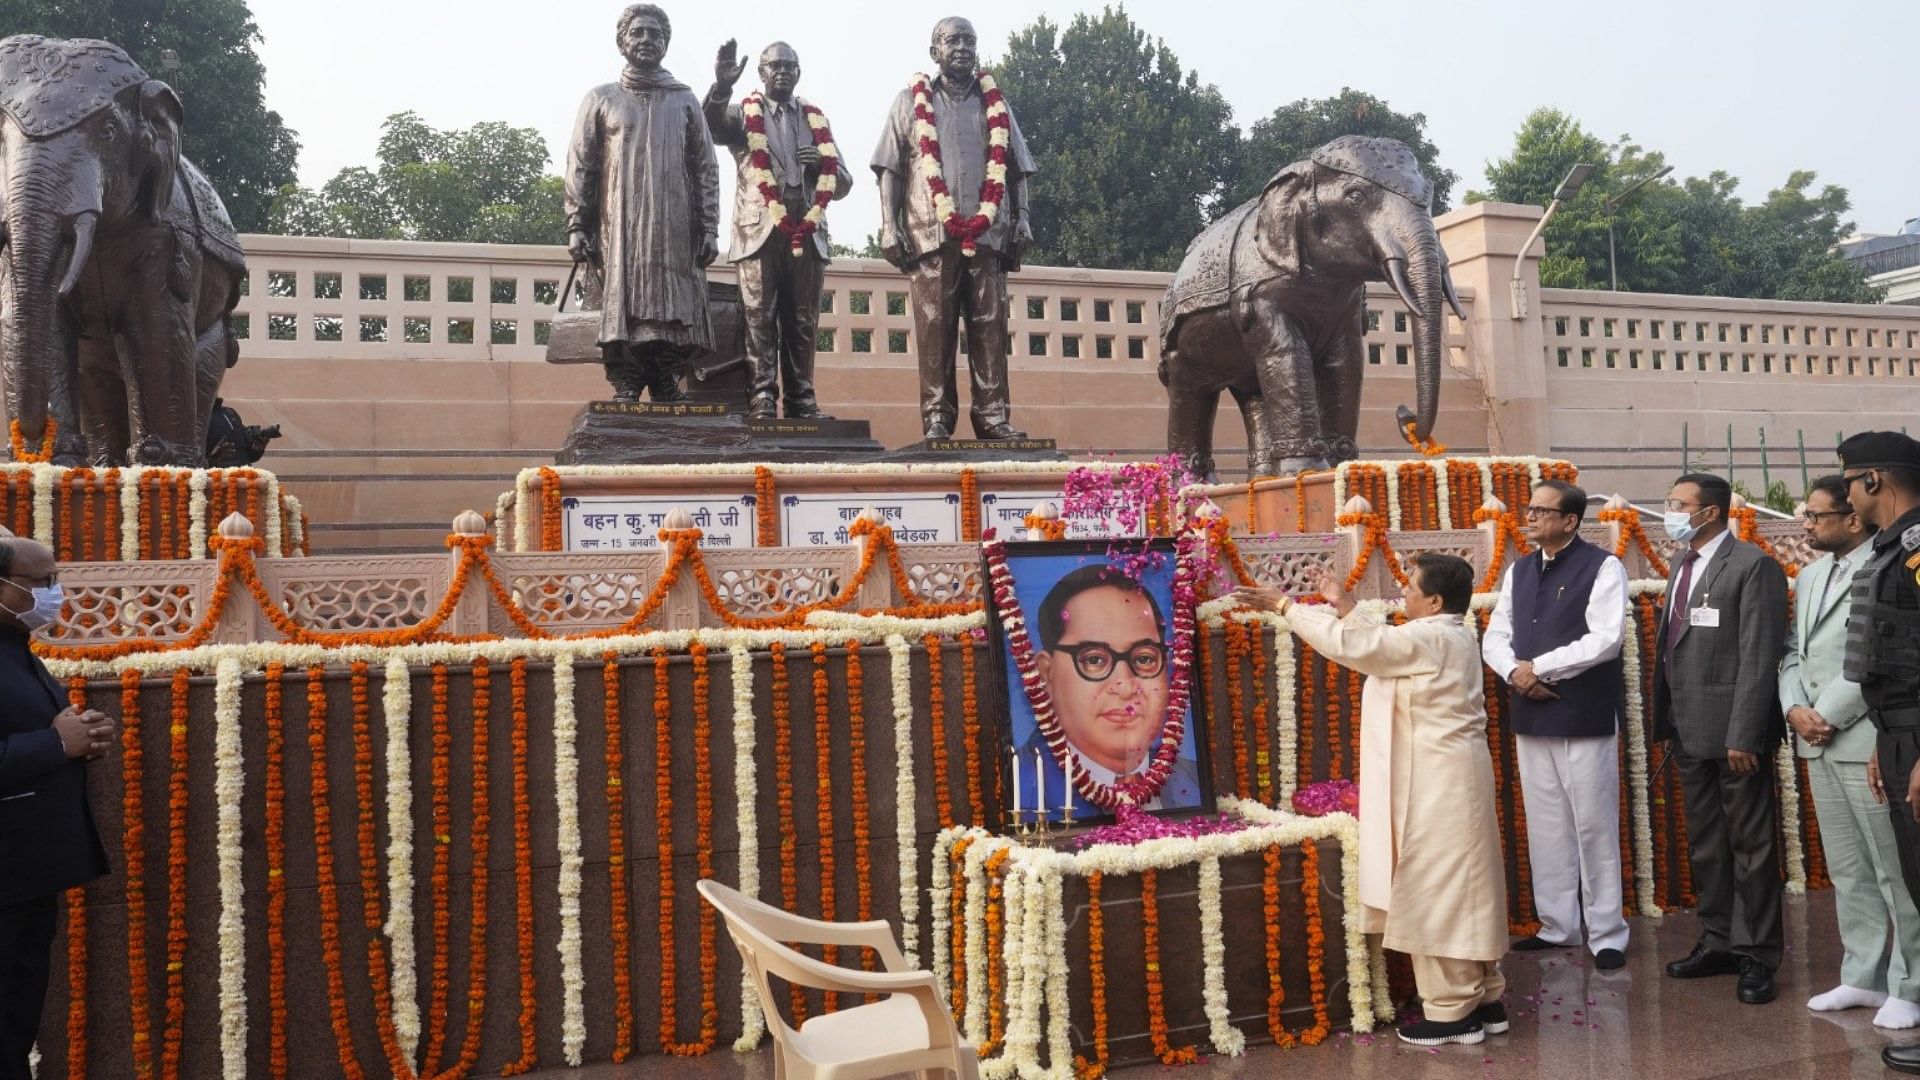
(130, 512)
(1788, 780)
(397, 704)
(753, 1023)
(44, 477)
(975, 1023)
(272, 510)
(1059, 1026)
(1442, 493)
(566, 788)
(229, 785)
(942, 921)
(197, 515)
(1226, 1038)
(500, 507)
(906, 841)
(1647, 900)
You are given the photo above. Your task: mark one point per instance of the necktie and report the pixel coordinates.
(1826, 590)
(1681, 594)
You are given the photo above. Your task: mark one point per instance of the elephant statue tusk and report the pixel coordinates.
(1453, 296)
(82, 251)
(1397, 274)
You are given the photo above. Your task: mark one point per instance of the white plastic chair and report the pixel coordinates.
(907, 1031)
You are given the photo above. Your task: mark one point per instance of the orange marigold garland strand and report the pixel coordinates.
(766, 508)
(1316, 944)
(1084, 1069)
(133, 830)
(956, 919)
(551, 538)
(366, 842)
(1309, 717)
(19, 443)
(617, 857)
(480, 839)
(1236, 635)
(1276, 981)
(183, 500)
(64, 541)
(1352, 711)
(324, 883)
(823, 798)
(442, 817)
(783, 799)
(274, 719)
(176, 1002)
(970, 730)
(77, 940)
(969, 507)
(1338, 767)
(1262, 740)
(937, 731)
(523, 872)
(1156, 989)
(996, 958)
(862, 827)
(703, 841)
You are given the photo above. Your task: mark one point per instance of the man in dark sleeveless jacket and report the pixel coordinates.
(1555, 638)
(1882, 473)
(47, 840)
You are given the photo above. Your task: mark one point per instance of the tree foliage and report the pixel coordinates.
(1134, 153)
(483, 184)
(1693, 236)
(1295, 129)
(243, 147)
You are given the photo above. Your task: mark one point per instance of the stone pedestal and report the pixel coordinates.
(699, 433)
(979, 450)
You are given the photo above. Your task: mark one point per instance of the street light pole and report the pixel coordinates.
(1517, 289)
(1612, 204)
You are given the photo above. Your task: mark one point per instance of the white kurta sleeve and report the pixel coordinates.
(1366, 646)
(1496, 647)
(1606, 624)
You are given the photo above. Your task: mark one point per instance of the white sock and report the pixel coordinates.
(1848, 997)
(1897, 1015)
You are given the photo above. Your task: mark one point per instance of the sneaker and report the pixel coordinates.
(1441, 1032)
(1493, 1017)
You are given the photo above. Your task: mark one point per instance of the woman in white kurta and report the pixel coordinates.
(1432, 879)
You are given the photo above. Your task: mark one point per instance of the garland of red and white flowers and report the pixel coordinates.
(993, 189)
(1144, 785)
(760, 170)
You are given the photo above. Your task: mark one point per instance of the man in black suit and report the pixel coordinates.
(1721, 638)
(48, 843)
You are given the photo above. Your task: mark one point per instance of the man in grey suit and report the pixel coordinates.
(1715, 680)
(779, 280)
(1826, 712)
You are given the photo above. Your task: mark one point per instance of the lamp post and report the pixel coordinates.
(1517, 289)
(1613, 203)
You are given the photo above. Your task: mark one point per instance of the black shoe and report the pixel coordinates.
(1440, 1032)
(1609, 959)
(1703, 962)
(762, 408)
(664, 389)
(1756, 982)
(1904, 1057)
(939, 429)
(1536, 943)
(1492, 1017)
(1001, 430)
(805, 410)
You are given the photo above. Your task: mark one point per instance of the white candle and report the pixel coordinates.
(1066, 797)
(1015, 754)
(1039, 783)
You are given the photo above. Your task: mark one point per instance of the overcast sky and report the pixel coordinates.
(1756, 88)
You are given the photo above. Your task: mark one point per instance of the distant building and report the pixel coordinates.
(1890, 261)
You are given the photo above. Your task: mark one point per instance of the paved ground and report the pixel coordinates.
(1570, 1022)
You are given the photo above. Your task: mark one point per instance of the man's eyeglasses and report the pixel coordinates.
(1531, 512)
(1096, 663)
(1812, 517)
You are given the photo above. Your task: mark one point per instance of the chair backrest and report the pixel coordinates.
(732, 905)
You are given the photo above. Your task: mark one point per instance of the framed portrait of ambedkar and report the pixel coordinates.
(1094, 647)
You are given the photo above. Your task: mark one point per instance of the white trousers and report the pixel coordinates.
(1572, 792)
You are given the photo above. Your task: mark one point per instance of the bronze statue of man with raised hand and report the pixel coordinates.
(643, 208)
(953, 171)
(789, 170)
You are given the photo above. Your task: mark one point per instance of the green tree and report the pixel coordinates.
(1133, 152)
(1691, 236)
(1295, 129)
(243, 147)
(483, 184)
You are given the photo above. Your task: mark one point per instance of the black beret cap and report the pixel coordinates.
(1880, 450)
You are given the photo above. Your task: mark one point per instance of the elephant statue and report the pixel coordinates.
(1268, 305)
(118, 264)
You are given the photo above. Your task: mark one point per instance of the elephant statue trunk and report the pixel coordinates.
(1416, 267)
(37, 243)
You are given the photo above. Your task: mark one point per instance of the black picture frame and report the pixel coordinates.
(1004, 703)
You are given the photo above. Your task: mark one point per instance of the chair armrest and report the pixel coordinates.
(819, 975)
(874, 934)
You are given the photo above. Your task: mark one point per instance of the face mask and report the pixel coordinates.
(1679, 525)
(47, 602)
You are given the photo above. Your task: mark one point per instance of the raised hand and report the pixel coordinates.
(729, 65)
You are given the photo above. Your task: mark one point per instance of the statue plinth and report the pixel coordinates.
(979, 450)
(702, 433)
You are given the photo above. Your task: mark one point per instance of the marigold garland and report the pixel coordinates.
(77, 941)
(176, 1001)
(22, 503)
(862, 831)
(1316, 944)
(481, 832)
(19, 443)
(1309, 717)
(1156, 990)
(1352, 711)
(325, 886)
(1235, 633)
(823, 798)
(766, 508)
(1428, 447)
(442, 818)
(1276, 982)
(1337, 767)
(1262, 728)
(703, 810)
(63, 541)
(703, 840)
(937, 731)
(366, 845)
(783, 801)
(182, 532)
(970, 732)
(1083, 1069)
(523, 873)
(133, 831)
(956, 919)
(996, 960)
(617, 856)
(970, 507)
(274, 719)
(552, 537)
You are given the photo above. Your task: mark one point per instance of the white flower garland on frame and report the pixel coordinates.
(905, 794)
(397, 706)
(566, 791)
(753, 1022)
(229, 786)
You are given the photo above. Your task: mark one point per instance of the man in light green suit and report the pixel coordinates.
(1879, 927)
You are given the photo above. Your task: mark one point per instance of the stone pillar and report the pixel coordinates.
(1507, 355)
